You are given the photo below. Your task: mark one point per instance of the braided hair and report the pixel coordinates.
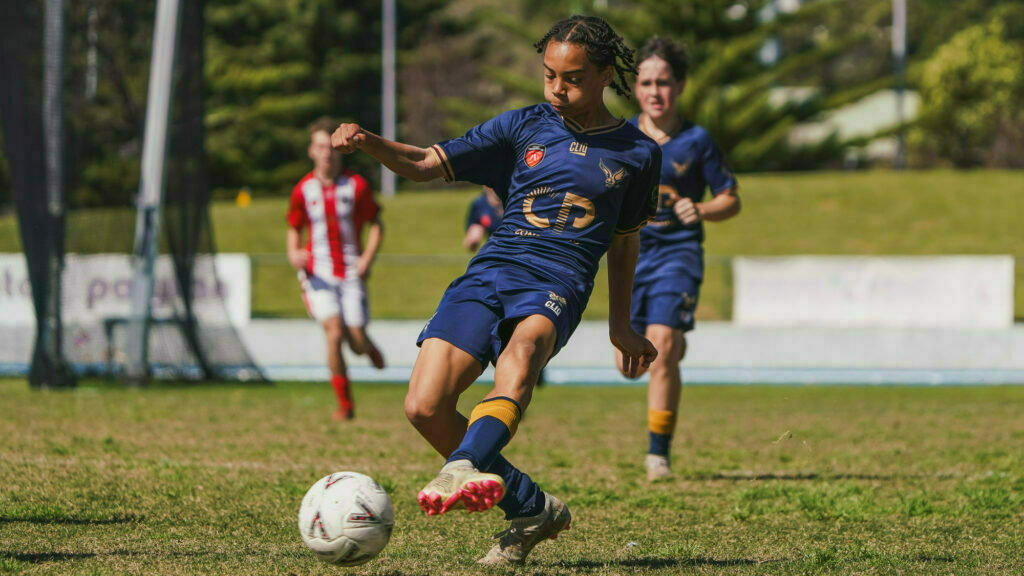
(668, 50)
(604, 47)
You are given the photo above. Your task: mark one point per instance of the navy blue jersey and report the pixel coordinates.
(566, 190)
(691, 163)
(483, 213)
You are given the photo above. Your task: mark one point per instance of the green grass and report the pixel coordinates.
(770, 480)
(922, 213)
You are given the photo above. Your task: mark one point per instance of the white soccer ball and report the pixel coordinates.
(346, 518)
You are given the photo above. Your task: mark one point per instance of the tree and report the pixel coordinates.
(971, 89)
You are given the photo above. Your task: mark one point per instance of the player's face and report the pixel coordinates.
(573, 85)
(657, 89)
(326, 161)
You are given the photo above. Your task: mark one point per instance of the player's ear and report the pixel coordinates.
(607, 76)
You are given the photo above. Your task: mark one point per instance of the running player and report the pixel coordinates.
(576, 182)
(335, 204)
(671, 266)
(482, 219)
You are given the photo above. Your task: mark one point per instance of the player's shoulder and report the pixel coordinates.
(643, 144)
(697, 133)
(297, 189)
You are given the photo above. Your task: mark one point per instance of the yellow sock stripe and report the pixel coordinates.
(501, 408)
(661, 421)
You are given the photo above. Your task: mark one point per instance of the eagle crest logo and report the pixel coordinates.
(611, 179)
(680, 168)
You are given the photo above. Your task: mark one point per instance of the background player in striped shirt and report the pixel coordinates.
(671, 264)
(576, 183)
(333, 205)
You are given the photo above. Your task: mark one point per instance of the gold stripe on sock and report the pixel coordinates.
(661, 421)
(501, 408)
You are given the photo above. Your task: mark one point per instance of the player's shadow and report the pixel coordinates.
(71, 520)
(39, 557)
(654, 562)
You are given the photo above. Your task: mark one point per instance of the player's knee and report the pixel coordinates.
(420, 409)
(357, 342)
(333, 334)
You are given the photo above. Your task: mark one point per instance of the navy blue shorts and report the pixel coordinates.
(481, 308)
(670, 301)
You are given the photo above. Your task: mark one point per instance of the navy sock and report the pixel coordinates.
(659, 444)
(523, 497)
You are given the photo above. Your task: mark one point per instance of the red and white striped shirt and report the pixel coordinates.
(335, 216)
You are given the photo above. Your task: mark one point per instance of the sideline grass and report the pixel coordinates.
(770, 480)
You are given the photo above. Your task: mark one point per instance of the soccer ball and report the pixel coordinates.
(346, 518)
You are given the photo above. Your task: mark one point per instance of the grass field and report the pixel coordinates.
(917, 213)
(770, 480)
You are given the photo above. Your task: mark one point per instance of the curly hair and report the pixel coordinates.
(604, 47)
(668, 50)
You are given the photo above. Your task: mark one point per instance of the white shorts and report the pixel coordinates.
(345, 297)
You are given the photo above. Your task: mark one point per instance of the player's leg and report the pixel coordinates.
(670, 305)
(356, 313)
(334, 337)
(663, 392)
(534, 514)
(322, 303)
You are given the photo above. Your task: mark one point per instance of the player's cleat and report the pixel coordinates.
(376, 358)
(523, 534)
(657, 467)
(460, 484)
(342, 414)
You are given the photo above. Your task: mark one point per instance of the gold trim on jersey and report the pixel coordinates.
(577, 127)
(446, 167)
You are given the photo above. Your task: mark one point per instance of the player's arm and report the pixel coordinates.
(637, 351)
(298, 256)
(723, 206)
(474, 236)
(412, 162)
(374, 238)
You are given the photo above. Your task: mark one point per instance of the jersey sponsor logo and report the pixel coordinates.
(667, 196)
(569, 208)
(611, 179)
(679, 168)
(534, 154)
(578, 149)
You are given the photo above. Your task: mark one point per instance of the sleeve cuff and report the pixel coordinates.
(442, 158)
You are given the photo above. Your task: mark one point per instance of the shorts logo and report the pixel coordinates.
(555, 303)
(689, 302)
(553, 307)
(534, 154)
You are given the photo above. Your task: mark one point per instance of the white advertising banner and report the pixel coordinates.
(98, 286)
(893, 291)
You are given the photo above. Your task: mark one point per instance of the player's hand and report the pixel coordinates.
(298, 259)
(363, 268)
(637, 352)
(348, 138)
(687, 211)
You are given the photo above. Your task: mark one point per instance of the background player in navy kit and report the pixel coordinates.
(671, 265)
(576, 182)
(482, 218)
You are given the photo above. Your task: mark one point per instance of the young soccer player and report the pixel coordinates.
(483, 218)
(576, 182)
(335, 204)
(671, 265)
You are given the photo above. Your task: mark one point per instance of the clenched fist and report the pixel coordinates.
(347, 138)
(685, 210)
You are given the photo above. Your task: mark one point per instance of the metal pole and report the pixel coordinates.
(53, 125)
(899, 54)
(387, 177)
(151, 187)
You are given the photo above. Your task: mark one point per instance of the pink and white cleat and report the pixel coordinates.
(460, 484)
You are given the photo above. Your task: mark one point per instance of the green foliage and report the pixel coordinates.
(971, 89)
